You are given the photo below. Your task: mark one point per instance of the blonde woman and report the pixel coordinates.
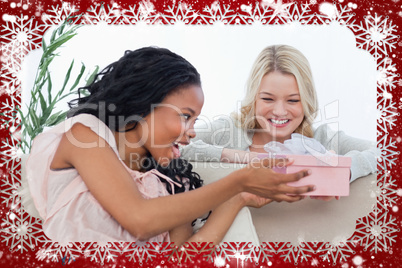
(280, 100)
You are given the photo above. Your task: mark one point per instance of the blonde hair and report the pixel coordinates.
(287, 60)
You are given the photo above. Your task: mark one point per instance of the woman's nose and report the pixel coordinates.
(280, 109)
(191, 133)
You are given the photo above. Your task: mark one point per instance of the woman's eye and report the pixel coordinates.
(186, 116)
(267, 99)
(294, 101)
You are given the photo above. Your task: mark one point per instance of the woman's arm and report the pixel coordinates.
(238, 156)
(363, 153)
(112, 186)
(217, 141)
(219, 221)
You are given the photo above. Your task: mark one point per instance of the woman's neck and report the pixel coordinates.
(133, 157)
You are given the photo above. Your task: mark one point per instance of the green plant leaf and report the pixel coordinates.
(44, 65)
(34, 118)
(53, 36)
(42, 102)
(49, 86)
(24, 146)
(92, 76)
(77, 80)
(61, 28)
(48, 111)
(56, 118)
(23, 121)
(33, 97)
(42, 83)
(43, 44)
(66, 79)
(58, 43)
(61, 118)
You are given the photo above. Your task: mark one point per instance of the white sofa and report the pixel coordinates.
(304, 221)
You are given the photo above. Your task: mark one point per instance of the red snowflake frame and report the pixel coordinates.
(19, 249)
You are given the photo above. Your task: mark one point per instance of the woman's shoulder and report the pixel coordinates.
(81, 131)
(82, 128)
(324, 131)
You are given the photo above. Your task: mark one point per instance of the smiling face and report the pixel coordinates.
(168, 126)
(278, 107)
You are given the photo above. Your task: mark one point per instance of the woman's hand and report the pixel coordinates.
(261, 180)
(252, 200)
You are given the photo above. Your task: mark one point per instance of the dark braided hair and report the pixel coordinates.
(125, 92)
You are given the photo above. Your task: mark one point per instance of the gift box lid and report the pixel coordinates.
(327, 160)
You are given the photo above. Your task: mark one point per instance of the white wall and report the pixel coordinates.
(345, 76)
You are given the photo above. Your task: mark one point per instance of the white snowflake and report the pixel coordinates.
(296, 253)
(10, 82)
(20, 231)
(101, 252)
(182, 14)
(387, 112)
(241, 251)
(57, 15)
(217, 14)
(103, 14)
(388, 153)
(258, 15)
(39, 9)
(10, 184)
(140, 253)
(22, 34)
(10, 117)
(295, 13)
(188, 251)
(314, 262)
(376, 231)
(386, 73)
(10, 150)
(280, 11)
(57, 252)
(387, 191)
(340, 14)
(262, 253)
(376, 35)
(143, 13)
(335, 252)
(279, 14)
(226, 251)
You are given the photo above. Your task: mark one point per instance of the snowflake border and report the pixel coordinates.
(17, 47)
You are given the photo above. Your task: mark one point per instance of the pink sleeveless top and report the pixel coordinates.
(69, 211)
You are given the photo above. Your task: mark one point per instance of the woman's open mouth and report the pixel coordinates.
(177, 146)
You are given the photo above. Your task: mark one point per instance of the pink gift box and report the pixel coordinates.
(330, 173)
